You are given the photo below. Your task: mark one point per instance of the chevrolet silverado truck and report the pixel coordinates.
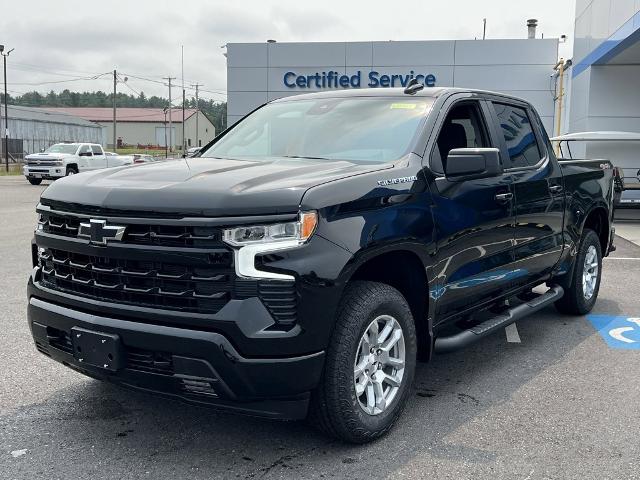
(64, 159)
(316, 251)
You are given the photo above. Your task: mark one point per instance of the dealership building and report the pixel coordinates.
(601, 82)
(604, 87)
(259, 72)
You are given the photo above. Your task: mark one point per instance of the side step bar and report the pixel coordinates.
(467, 337)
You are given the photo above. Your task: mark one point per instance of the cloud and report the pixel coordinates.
(143, 37)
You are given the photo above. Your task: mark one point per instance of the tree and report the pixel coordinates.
(216, 111)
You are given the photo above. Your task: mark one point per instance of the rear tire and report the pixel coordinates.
(71, 171)
(581, 289)
(34, 181)
(368, 375)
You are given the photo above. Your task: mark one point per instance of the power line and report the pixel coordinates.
(94, 77)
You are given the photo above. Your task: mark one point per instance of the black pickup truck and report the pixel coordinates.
(316, 250)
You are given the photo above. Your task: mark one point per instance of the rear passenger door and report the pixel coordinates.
(474, 218)
(537, 187)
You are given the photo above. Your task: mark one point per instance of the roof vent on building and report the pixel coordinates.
(532, 23)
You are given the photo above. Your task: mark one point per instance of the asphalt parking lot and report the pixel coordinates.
(563, 403)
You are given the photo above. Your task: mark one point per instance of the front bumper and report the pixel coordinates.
(35, 171)
(196, 366)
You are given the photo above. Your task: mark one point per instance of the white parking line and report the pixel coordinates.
(621, 258)
(512, 333)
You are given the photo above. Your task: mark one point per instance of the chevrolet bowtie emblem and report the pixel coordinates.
(99, 233)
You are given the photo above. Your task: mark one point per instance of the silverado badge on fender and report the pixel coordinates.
(98, 232)
(394, 181)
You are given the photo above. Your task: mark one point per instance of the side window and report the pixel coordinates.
(97, 149)
(518, 135)
(463, 128)
(84, 150)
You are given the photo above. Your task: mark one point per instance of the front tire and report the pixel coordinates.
(370, 365)
(34, 181)
(581, 289)
(71, 171)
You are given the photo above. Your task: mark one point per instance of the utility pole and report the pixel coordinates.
(6, 115)
(184, 140)
(115, 83)
(484, 28)
(166, 145)
(171, 138)
(197, 85)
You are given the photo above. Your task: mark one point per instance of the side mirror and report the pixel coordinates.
(85, 154)
(472, 163)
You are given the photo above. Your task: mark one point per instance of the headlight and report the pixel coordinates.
(299, 232)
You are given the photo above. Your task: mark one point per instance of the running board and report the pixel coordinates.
(467, 337)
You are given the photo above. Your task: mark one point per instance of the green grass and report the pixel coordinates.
(14, 169)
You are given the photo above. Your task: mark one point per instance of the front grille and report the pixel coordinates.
(43, 163)
(199, 278)
(152, 284)
(140, 234)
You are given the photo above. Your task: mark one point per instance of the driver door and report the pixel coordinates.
(85, 155)
(99, 159)
(474, 218)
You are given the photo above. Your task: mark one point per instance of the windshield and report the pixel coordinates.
(360, 129)
(62, 148)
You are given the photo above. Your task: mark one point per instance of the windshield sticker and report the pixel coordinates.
(403, 106)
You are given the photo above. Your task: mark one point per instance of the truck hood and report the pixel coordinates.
(47, 156)
(203, 186)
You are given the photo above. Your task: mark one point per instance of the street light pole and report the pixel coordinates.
(6, 115)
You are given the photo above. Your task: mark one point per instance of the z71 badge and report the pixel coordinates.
(394, 181)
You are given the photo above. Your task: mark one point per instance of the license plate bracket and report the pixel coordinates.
(102, 350)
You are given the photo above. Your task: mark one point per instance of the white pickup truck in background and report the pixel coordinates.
(64, 159)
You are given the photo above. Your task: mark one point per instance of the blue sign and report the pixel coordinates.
(374, 79)
(618, 332)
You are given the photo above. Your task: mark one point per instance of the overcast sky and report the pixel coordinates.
(59, 41)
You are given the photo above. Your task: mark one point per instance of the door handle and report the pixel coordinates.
(555, 188)
(504, 197)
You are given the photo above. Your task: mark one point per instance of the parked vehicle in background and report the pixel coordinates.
(316, 251)
(117, 160)
(142, 158)
(193, 151)
(63, 159)
(625, 158)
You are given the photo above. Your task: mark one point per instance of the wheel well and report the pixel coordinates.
(597, 220)
(72, 165)
(404, 271)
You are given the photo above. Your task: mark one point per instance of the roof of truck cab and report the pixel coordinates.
(599, 136)
(432, 92)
